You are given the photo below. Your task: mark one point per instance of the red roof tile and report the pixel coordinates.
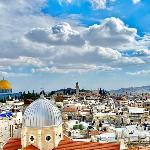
(94, 132)
(31, 147)
(65, 144)
(69, 109)
(13, 144)
(74, 145)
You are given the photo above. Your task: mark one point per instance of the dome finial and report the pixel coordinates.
(42, 96)
(42, 93)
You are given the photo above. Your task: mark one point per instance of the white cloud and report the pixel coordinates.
(21, 61)
(142, 52)
(75, 68)
(143, 42)
(113, 33)
(114, 55)
(32, 39)
(23, 16)
(136, 1)
(21, 7)
(100, 4)
(108, 53)
(62, 39)
(141, 72)
(131, 60)
(64, 1)
(60, 34)
(96, 4)
(13, 74)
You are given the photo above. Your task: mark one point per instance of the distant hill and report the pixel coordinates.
(133, 90)
(67, 91)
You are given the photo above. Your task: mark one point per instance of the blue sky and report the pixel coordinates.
(51, 44)
(135, 15)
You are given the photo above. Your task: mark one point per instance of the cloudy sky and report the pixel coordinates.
(51, 44)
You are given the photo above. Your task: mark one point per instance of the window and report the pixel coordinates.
(32, 138)
(48, 138)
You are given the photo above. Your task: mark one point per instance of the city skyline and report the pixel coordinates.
(52, 44)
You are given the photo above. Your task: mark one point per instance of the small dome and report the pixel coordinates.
(5, 85)
(41, 113)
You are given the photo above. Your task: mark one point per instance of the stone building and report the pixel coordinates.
(42, 125)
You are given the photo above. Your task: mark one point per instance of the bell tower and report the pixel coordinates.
(77, 89)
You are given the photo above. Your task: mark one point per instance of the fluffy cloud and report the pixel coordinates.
(75, 68)
(20, 6)
(61, 34)
(97, 35)
(108, 53)
(116, 56)
(31, 39)
(144, 42)
(21, 61)
(95, 4)
(100, 4)
(23, 16)
(100, 35)
(112, 32)
(131, 60)
(136, 1)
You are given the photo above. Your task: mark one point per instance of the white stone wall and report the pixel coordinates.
(4, 131)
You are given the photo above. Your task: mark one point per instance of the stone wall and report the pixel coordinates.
(45, 138)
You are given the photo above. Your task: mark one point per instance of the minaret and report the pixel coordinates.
(77, 89)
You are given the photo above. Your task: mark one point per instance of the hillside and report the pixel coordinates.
(142, 89)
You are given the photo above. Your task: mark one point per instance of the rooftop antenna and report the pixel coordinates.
(42, 93)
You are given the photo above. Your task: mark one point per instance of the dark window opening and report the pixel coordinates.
(32, 138)
(48, 138)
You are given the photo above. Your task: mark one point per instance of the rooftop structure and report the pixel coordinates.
(5, 86)
(6, 90)
(41, 113)
(42, 129)
(66, 144)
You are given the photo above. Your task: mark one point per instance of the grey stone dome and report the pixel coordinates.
(41, 113)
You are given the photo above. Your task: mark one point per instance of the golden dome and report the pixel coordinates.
(5, 85)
